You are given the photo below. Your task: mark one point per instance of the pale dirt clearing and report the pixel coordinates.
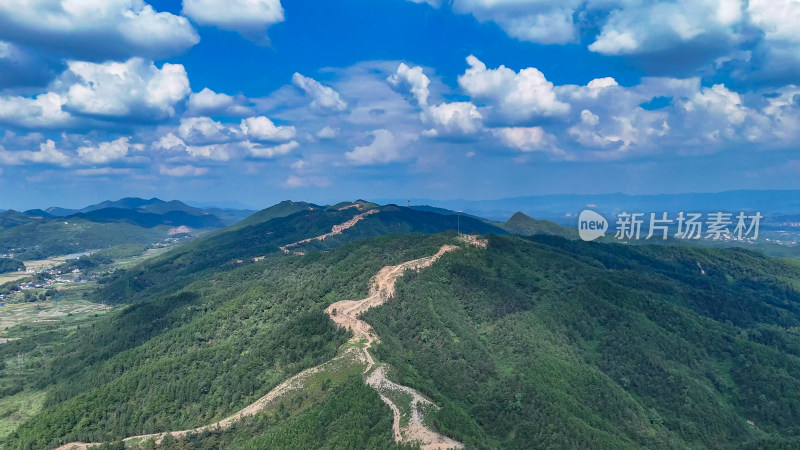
(415, 431)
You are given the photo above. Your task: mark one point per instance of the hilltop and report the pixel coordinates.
(263, 235)
(523, 225)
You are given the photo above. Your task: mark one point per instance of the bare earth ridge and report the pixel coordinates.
(337, 229)
(346, 314)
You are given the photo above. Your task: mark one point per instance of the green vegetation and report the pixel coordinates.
(37, 234)
(17, 408)
(361, 204)
(146, 219)
(346, 414)
(335, 409)
(282, 209)
(523, 225)
(11, 265)
(121, 255)
(41, 239)
(354, 417)
(538, 342)
(236, 246)
(37, 332)
(64, 307)
(220, 251)
(562, 344)
(123, 251)
(177, 361)
(400, 220)
(11, 219)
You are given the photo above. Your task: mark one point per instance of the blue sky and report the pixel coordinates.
(257, 101)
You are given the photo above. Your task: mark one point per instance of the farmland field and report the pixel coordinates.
(30, 332)
(64, 312)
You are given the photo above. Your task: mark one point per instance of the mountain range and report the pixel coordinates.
(564, 208)
(480, 339)
(40, 233)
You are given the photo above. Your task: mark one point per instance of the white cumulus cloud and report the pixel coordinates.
(446, 119)
(529, 139)
(187, 170)
(261, 151)
(517, 96)
(385, 147)
(214, 152)
(204, 130)
(324, 98)
(638, 28)
(169, 142)
(262, 129)
(206, 138)
(412, 79)
(42, 111)
(780, 51)
(87, 92)
(105, 152)
(328, 132)
(542, 21)
(96, 30)
(456, 118)
(250, 18)
(208, 102)
(124, 89)
(47, 154)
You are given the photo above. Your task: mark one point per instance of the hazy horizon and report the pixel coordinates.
(415, 201)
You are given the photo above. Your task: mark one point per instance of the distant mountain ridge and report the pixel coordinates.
(38, 233)
(11, 219)
(152, 205)
(174, 218)
(556, 207)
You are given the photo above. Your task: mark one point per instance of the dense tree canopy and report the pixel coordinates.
(539, 342)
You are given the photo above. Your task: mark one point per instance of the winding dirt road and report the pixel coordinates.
(346, 314)
(294, 383)
(337, 229)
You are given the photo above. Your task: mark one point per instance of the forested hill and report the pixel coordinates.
(37, 234)
(527, 343)
(282, 209)
(564, 344)
(239, 245)
(538, 342)
(523, 225)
